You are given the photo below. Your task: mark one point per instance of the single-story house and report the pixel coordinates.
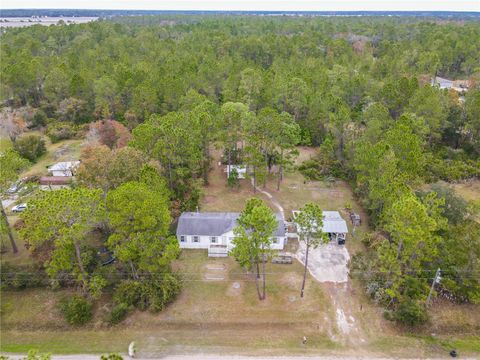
(214, 231)
(241, 170)
(457, 85)
(333, 225)
(64, 168)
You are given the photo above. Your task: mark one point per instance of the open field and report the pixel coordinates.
(469, 190)
(216, 317)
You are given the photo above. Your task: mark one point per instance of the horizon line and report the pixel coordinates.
(246, 10)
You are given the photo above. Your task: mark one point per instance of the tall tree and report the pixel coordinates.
(10, 165)
(310, 230)
(140, 221)
(233, 117)
(287, 138)
(253, 238)
(170, 140)
(103, 168)
(63, 219)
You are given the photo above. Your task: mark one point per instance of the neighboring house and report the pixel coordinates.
(55, 182)
(442, 83)
(333, 225)
(214, 231)
(241, 170)
(457, 85)
(64, 168)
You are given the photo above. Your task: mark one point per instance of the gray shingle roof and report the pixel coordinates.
(214, 223)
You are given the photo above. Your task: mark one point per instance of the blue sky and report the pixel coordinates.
(285, 5)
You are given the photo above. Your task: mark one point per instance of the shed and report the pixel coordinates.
(241, 170)
(333, 225)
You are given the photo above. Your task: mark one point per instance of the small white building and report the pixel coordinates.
(333, 225)
(214, 231)
(459, 86)
(241, 170)
(64, 168)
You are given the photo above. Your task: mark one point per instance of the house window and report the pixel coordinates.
(196, 238)
(213, 239)
(275, 240)
(183, 238)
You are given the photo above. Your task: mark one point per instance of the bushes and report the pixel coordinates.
(129, 292)
(118, 313)
(22, 277)
(453, 170)
(39, 119)
(30, 147)
(152, 293)
(410, 313)
(76, 309)
(60, 131)
(310, 169)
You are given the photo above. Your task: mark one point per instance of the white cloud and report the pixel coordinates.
(285, 5)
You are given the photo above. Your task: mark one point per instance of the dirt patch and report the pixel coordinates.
(209, 199)
(292, 279)
(220, 267)
(213, 277)
(234, 289)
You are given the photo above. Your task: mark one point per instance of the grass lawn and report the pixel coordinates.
(469, 190)
(210, 316)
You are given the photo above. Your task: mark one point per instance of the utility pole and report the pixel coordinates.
(436, 280)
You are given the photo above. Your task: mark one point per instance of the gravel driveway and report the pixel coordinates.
(326, 263)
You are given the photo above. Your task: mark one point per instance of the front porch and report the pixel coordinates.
(217, 250)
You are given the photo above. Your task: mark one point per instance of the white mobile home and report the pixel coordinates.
(64, 168)
(241, 170)
(214, 231)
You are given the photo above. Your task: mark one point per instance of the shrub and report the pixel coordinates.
(128, 292)
(162, 291)
(310, 169)
(21, 277)
(60, 131)
(410, 313)
(233, 180)
(39, 119)
(111, 357)
(452, 170)
(151, 293)
(76, 309)
(30, 147)
(118, 313)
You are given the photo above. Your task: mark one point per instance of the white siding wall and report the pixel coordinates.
(225, 239)
(61, 173)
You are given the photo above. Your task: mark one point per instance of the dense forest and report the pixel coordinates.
(357, 88)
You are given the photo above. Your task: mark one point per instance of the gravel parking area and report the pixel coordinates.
(326, 263)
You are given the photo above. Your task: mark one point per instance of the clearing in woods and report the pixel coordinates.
(218, 310)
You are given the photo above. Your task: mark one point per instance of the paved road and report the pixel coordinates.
(234, 357)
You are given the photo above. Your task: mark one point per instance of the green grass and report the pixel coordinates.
(5, 143)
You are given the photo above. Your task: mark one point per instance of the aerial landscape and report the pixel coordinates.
(228, 181)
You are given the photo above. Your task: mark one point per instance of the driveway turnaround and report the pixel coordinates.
(326, 263)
